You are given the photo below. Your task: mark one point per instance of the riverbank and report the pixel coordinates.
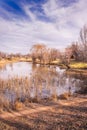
(73, 64)
(78, 68)
(78, 72)
(6, 61)
(59, 115)
(78, 65)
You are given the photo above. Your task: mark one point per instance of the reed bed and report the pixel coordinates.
(43, 82)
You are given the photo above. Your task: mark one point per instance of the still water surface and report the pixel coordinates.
(16, 69)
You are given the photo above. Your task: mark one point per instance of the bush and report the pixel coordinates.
(18, 105)
(65, 96)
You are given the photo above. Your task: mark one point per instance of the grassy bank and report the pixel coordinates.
(6, 61)
(82, 66)
(78, 65)
(73, 64)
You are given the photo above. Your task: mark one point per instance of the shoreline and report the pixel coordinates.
(74, 69)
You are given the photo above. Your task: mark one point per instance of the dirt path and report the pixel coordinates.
(25, 111)
(39, 108)
(61, 115)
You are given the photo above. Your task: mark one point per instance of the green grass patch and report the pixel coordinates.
(78, 65)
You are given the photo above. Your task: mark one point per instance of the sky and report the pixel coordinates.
(55, 23)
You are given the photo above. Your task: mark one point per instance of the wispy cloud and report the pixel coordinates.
(53, 22)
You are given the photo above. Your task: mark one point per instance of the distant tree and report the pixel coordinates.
(75, 50)
(83, 43)
(68, 54)
(54, 54)
(37, 51)
(18, 55)
(72, 52)
(2, 55)
(78, 50)
(65, 60)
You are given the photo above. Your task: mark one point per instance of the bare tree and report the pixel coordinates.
(65, 60)
(83, 43)
(37, 52)
(2, 55)
(54, 54)
(73, 51)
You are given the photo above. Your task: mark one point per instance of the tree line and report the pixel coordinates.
(77, 51)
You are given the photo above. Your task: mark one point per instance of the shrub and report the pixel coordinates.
(65, 96)
(18, 105)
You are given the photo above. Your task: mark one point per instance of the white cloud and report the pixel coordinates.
(19, 35)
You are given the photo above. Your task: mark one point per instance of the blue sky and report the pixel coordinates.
(55, 23)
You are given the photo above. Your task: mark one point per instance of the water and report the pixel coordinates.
(20, 69)
(22, 79)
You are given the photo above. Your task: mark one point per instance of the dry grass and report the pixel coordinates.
(65, 96)
(21, 88)
(18, 105)
(32, 88)
(78, 65)
(61, 115)
(17, 59)
(13, 89)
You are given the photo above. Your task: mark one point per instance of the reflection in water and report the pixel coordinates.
(23, 80)
(16, 69)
